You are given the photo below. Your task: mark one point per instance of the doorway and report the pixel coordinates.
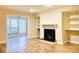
(16, 34)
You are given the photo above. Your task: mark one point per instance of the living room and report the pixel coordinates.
(43, 19)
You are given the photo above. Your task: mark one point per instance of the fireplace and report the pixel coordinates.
(49, 32)
(49, 35)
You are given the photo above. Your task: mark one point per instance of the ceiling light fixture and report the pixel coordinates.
(48, 6)
(33, 10)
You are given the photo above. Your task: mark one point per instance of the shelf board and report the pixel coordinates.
(72, 19)
(38, 27)
(72, 25)
(73, 29)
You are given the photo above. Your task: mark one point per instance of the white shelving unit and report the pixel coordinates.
(38, 25)
(72, 23)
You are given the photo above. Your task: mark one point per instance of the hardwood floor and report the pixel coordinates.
(40, 46)
(2, 48)
(37, 46)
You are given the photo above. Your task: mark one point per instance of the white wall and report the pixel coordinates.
(54, 16)
(74, 39)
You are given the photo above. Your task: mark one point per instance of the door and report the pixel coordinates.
(17, 34)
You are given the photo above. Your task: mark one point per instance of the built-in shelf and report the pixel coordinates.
(38, 29)
(38, 22)
(38, 25)
(72, 22)
(70, 25)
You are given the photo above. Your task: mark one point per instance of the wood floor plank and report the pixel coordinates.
(35, 45)
(51, 48)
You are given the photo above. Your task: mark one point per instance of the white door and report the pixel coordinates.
(17, 34)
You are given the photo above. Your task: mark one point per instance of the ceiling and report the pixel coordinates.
(30, 8)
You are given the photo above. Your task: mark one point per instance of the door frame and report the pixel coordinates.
(27, 24)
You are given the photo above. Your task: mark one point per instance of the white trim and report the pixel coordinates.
(60, 43)
(3, 42)
(74, 42)
(48, 42)
(67, 41)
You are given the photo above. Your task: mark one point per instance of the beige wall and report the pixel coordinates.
(54, 16)
(3, 19)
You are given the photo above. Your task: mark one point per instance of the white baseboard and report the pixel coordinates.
(62, 42)
(68, 41)
(2, 42)
(74, 42)
(33, 37)
(47, 42)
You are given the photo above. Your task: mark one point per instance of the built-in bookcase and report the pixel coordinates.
(38, 25)
(38, 22)
(72, 21)
(70, 25)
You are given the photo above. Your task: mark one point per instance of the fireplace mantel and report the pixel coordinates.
(49, 26)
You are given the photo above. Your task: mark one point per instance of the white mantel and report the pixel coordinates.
(49, 26)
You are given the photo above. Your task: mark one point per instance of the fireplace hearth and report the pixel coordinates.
(49, 35)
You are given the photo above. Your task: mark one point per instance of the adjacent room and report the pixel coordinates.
(39, 29)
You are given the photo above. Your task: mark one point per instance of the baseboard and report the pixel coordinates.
(47, 42)
(74, 42)
(2, 42)
(33, 37)
(62, 42)
(65, 42)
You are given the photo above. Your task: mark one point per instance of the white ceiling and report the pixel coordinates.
(27, 8)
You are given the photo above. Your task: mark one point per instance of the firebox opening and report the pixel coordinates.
(49, 35)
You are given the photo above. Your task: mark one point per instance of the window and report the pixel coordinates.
(16, 25)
